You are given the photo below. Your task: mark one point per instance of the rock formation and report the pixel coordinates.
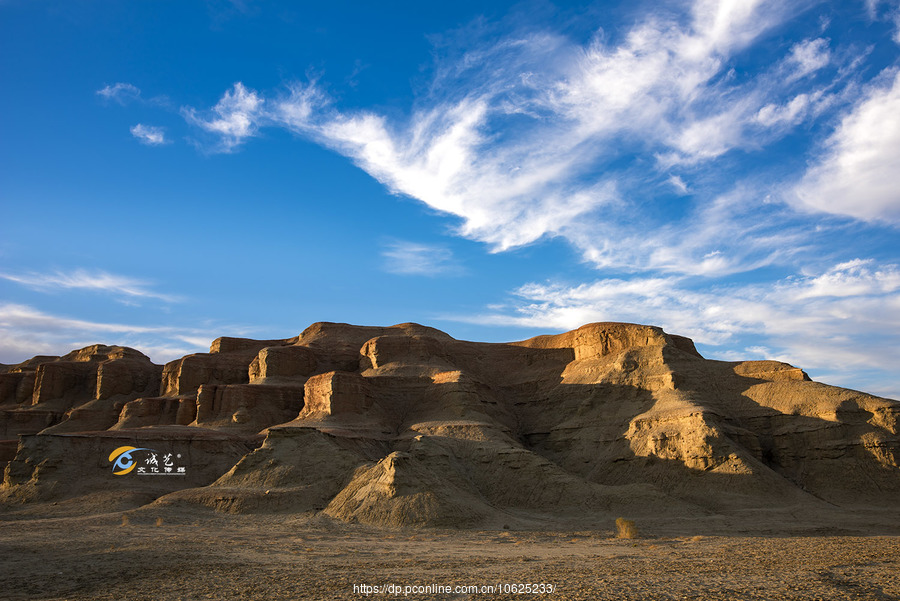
(405, 425)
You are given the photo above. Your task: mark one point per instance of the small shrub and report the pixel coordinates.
(126, 521)
(626, 528)
(159, 522)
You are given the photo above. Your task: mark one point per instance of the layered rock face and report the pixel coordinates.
(405, 425)
(84, 390)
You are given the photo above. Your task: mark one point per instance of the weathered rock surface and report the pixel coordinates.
(52, 466)
(406, 426)
(84, 390)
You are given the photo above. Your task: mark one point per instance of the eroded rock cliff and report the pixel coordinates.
(405, 425)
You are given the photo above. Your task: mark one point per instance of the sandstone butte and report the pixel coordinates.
(406, 426)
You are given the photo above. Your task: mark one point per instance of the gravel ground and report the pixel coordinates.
(180, 555)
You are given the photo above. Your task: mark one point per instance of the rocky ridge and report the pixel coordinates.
(406, 426)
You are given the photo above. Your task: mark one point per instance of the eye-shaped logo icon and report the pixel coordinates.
(123, 461)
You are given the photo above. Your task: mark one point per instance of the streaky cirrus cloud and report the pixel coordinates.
(120, 92)
(83, 279)
(403, 257)
(26, 331)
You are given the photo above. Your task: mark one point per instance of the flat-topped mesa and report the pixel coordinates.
(770, 370)
(337, 345)
(185, 376)
(102, 352)
(82, 390)
(326, 333)
(97, 371)
(227, 344)
(227, 362)
(29, 364)
(606, 338)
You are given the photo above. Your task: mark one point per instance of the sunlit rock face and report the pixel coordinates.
(404, 425)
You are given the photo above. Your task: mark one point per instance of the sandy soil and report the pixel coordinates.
(171, 553)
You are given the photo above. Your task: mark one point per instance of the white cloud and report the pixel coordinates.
(195, 340)
(81, 279)
(790, 114)
(857, 174)
(518, 138)
(234, 118)
(24, 317)
(678, 184)
(708, 138)
(809, 56)
(723, 26)
(149, 134)
(852, 278)
(535, 136)
(26, 331)
(123, 93)
(410, 258)
(731, 233)
(893, 14)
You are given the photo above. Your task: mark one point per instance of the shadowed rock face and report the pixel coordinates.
(84, 390)
(405, 425)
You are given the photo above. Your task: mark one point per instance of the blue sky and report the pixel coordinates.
(176, 171)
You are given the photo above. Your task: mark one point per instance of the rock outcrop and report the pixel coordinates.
(84, 390)
(406, 426)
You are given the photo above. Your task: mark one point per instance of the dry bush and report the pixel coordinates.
(626, 528)
(126, 521)
(159, 522)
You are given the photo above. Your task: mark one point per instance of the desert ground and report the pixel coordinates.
(169, 554)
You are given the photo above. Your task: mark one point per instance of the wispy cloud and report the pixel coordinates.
(122, 93)
(872, 8)
(809, 56)
(26, 331)
(892, 13)
(678, 184)
(411, 258)
(234, 118)
(96, 281)
(149, 134)
(535, 136)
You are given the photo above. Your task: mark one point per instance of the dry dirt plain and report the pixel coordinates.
(180, 554)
